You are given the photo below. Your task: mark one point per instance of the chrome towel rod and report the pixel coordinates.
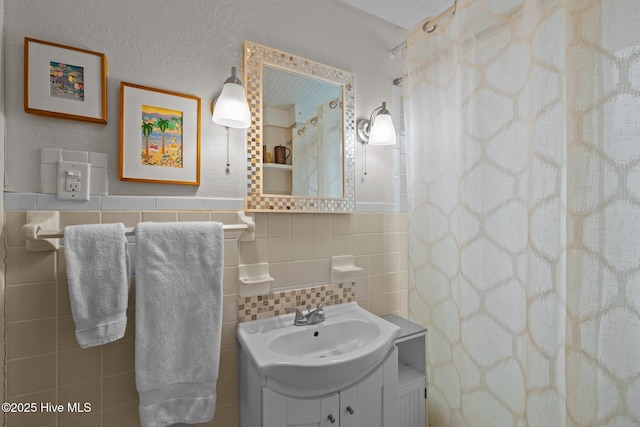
(42, 231)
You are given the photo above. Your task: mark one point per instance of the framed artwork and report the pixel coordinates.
(159, 136)
(64, 82)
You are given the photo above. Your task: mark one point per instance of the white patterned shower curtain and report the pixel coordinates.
(523, 165)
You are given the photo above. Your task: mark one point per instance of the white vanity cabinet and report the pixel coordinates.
(413, 379)
(371, 402)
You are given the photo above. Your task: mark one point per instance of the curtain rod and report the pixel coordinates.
(429, 26)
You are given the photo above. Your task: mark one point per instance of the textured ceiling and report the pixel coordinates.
(403, 13)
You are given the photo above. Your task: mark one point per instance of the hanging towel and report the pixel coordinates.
(98, 276)
(178, 320)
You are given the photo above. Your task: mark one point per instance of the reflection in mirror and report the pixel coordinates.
(303, 130)
(301, 154)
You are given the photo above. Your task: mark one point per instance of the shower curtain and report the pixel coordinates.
(523, 165)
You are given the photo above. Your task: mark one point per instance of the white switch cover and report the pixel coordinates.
(73, 180)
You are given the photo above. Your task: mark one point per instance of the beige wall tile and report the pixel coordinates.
(376, 285)
(376, 223)
(118, 390)
(230, 308)
(93, 419)
(342, 245)
(228, 363)
(13, 226)
(301, 248)
(395, 261)
(396, 242)
(125, 415)
(87, 392)
(395, 222)
(363, 263)
(30, 338)
(302, 225)
(79, 217)
(67, 334)
(118, 357)
(376, 243)
(360, 223)
(128, 218)
(75, 366)
(376, 264)
(278, 249)
(302, 273)
(199, 216)
(228, 336)
(227, 389)
(261, 224)
(397, 281)
(322, 247)
(224, 217)
(278, 225)
(322, 270)
(29, 267)
(160, 216)
(376, 305)
(322, 224)
(342, 224)
(226, 416)
(253, 252)
(27, 302)
(281, 273)
(64, 302)
(38, 418)
(31, 374)
(393, 302)
(360, 244)
(230, 280)
(231, 256)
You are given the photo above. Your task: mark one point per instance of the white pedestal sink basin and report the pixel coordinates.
(325, 356)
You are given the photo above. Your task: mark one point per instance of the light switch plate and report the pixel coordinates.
(73, 181)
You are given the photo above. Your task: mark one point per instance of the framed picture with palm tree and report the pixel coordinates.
(64, 82)
(159, 136)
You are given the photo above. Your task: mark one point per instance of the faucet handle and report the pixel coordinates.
(321, 305)
(299, 320)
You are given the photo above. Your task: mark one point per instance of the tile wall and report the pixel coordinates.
(45, 364)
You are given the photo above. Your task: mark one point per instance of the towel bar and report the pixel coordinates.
(59, 234)
(41, 233)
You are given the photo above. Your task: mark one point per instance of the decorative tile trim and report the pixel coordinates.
(259, 307)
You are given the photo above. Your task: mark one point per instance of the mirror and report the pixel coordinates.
(301, 154)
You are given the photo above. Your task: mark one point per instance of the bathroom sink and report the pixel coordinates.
(325, 356)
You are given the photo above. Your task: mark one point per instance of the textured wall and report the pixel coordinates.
(186, 47)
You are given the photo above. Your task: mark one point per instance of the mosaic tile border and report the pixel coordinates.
(255, 55)
(270, 305)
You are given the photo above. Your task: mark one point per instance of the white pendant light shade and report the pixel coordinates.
(231, 109)
(382, 132)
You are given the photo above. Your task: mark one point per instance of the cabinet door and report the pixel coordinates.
(282, 411)
(374, 401)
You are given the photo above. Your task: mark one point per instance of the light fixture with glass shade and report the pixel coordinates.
(231, 109)
(378, 130)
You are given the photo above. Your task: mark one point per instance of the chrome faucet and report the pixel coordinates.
(311, 318)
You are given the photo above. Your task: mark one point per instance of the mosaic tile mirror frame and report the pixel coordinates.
(255, 57)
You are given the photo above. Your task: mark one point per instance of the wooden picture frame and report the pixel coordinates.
(64, 82)
(159, 136)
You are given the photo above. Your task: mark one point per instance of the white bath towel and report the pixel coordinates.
(178, 320)
(98, 277)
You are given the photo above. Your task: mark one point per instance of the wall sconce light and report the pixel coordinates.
(231, 109)
(378, 130)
